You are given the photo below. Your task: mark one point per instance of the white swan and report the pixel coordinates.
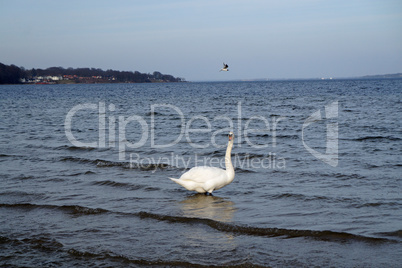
(207, 179)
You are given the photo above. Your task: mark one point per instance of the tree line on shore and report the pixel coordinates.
(11, 74)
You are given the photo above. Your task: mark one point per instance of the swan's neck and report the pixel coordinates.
(228, 161)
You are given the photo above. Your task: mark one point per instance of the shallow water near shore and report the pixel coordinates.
(97, 192)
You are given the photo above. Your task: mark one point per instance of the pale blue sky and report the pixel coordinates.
(191, 39)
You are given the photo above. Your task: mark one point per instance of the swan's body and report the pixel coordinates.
(207, 179)
(225, 68)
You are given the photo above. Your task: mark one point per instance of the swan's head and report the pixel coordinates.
(231, 136)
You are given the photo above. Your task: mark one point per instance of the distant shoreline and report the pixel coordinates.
(366, 77)
(72, 82)
(371, 77)
(11, 74)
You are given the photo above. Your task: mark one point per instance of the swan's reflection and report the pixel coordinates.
(208, 207)
(208, 241)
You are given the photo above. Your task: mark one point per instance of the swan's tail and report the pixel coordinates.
(189, 185)
(179, 182)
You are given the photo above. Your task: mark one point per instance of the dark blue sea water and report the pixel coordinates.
(84, 174)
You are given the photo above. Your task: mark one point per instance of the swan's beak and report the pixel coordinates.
(230, 137)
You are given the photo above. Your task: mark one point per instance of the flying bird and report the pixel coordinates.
(225, 68)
